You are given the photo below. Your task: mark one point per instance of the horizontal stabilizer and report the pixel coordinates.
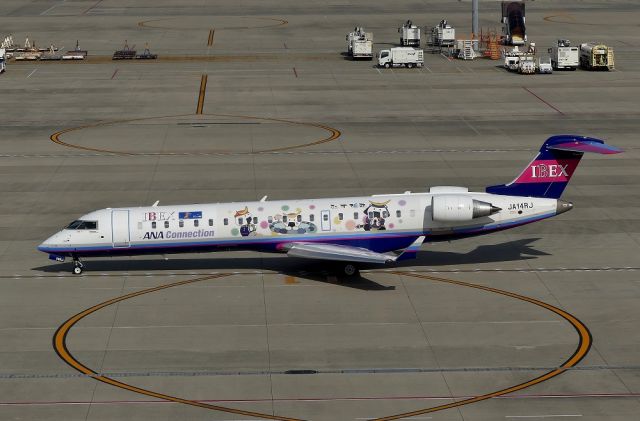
(594, 146)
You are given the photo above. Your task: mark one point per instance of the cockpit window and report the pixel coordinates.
(83, 225)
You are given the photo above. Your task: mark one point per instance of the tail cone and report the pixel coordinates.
(563, 207)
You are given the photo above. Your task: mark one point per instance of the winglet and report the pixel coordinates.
(411, 251)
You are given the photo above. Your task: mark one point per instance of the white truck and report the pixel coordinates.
(360, 44)
(401, 56)
(409, 34)
(563, 55)
(442, 35)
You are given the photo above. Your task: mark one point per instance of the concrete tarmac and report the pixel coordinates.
(285, 114)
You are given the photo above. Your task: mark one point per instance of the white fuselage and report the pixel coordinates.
(380, 223)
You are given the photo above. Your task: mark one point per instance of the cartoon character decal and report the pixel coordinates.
(291, 223)
(375, 216)
(244, 221)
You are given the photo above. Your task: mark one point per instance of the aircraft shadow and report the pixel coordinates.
(319, 271)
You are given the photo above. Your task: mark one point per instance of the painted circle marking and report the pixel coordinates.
(584, 345)
(334, 134)
(151, 23)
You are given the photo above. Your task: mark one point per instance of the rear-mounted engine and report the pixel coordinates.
(455, 208)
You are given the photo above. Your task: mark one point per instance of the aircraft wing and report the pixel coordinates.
(336, 252)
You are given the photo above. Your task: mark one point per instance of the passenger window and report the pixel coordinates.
(385, 214)
(299, 218)
(312, 217)
(153, 225)
(325, 217)
(226, 221)
(340, 216)
(181, 223)
(270, 219)
(210, 222)
(166, 224)
(196, 222)
(284, 218)
(412, 213)
(355, 215)
(398, 214)
(255, 219)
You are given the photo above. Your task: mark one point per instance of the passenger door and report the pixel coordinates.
(120, 228)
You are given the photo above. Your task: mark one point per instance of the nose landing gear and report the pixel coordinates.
(77, 266)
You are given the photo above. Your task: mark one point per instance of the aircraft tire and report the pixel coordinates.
(350, 270)
(77, 270)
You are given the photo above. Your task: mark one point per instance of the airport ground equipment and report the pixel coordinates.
(146, 54)
(3, 54)
(544, 65)
(490, 44)
(512, 59)
(513, 22)
(27, 53)
(8, 46)
(127, 53)
(360, 44)
(564, 56)
(464, 49)
(443, 35)
(527, 65)
(401, 56)
(51, 54)
(595, 56)
(409, 34)
(76, 54)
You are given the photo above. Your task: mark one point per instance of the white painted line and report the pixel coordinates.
(51, 8)
(378, 70)
(428, 69)
(32, 72)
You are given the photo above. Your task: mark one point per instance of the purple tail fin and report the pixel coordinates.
(550, 171)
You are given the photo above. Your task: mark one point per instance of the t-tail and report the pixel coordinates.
(550, 171)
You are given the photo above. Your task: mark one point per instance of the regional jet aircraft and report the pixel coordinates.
(350, 230)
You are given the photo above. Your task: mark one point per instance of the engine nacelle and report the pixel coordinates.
(457, 208)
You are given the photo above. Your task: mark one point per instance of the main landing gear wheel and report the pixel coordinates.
(350, 269)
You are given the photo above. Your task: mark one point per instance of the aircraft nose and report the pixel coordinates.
(50, 242)
(563, 206)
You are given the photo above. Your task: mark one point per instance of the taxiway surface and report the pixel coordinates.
(284, 114)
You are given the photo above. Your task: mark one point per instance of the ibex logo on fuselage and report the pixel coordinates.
(550, 170)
